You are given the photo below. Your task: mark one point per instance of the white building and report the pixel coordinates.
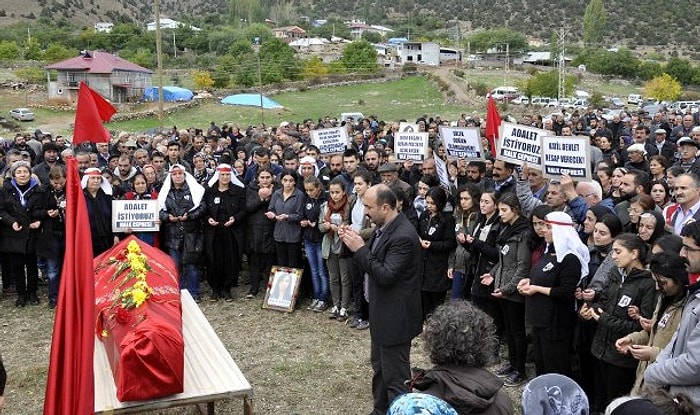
(104, 27)
(166, 23)
(421, 53)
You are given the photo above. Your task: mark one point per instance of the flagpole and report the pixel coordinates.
(159, 59)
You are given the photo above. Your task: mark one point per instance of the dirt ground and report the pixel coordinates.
(298, 363)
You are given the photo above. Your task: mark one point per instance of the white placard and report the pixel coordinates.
(330, 140)
(464, 143)
(566, 155)
(135, 215)
(520, 144)
(411, 146)
(408, 127)
(443, 174)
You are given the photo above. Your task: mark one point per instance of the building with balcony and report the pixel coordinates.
(116, 79)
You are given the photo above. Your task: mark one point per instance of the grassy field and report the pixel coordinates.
(407, 98)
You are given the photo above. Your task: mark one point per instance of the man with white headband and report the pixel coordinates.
(550, 306)
(181, 210)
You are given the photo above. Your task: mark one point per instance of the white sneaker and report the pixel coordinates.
(342, 314)
(313, 304)
(334, 312)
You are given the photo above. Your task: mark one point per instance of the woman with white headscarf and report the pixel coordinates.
(181, 209)
(550, 306)
(98, 198)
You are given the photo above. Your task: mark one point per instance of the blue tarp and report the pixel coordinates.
(170, 94)
(252, 100)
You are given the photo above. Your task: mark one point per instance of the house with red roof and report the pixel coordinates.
(116, 79)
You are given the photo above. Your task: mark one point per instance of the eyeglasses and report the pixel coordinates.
(689, 249)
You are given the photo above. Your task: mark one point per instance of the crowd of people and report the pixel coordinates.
(591, 274)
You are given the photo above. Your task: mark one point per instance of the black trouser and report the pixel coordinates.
(391, 370)
(224, 265)
(358, 291)
(490, 306)
(430, 301)
(25, 283)
(514, 325)
(552, 349)
(8, 280)
(258, 270)
(288, 254)
(617, 381)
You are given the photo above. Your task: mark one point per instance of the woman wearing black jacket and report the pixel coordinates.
(225, 202)
(51, 210)
(98, 198)
(437, 238)
(482, 245)
(19, 230)
(260, 242)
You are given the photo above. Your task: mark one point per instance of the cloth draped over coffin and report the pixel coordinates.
(142, 335)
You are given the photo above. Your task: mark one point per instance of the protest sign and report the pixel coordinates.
(566, 155)
(408, 127)
(520, 144)
(464, 143)
(443, 174)
(134, 215)
(330, 140)
(411, 146)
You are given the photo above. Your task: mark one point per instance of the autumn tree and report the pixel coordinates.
(314, 68)
(594, 21)
(663, 88)
(202, 80)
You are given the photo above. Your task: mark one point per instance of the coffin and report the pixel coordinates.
(139, 320)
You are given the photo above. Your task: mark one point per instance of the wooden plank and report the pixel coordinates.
(210, 372)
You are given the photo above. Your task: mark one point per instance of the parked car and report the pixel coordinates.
(635, 99)
(616, 102)
(521, 100)
(504, 93)
(22, 114)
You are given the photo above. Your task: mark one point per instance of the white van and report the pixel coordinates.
(504, 93)
(635, 99)
(356, 116)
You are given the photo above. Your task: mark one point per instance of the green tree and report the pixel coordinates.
(371, 37)
(546, 84)
(360, 56)
(57, 52)
(222, 72)
(681, 69)
(31, 74)
(141, 57)
(594, 21)
(241, 47)
(663, 88)
(278, 61)
(503, 36)
(246, 73)
(649, 69)
(32, 50)
(9, 50)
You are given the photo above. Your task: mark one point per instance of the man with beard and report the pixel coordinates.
(634, 182)
(50, 156)
(372, 164)
(676, 368)
(476, 172)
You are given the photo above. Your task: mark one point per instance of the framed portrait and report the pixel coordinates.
(282, 288)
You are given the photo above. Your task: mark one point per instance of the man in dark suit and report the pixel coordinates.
(390, 261)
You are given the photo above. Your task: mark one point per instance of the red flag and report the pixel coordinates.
(91, 112)
(70, 387)
(493, 123)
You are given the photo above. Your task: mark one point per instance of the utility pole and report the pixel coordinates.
(262, 109)
(159, 59)
(561, 63)
(174, 45)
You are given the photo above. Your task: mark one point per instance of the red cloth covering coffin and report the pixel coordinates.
(144, 344)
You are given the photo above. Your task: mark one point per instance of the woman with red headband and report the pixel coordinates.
(225, 200)
(550, 306)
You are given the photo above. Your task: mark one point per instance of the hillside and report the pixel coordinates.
(644, 23)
